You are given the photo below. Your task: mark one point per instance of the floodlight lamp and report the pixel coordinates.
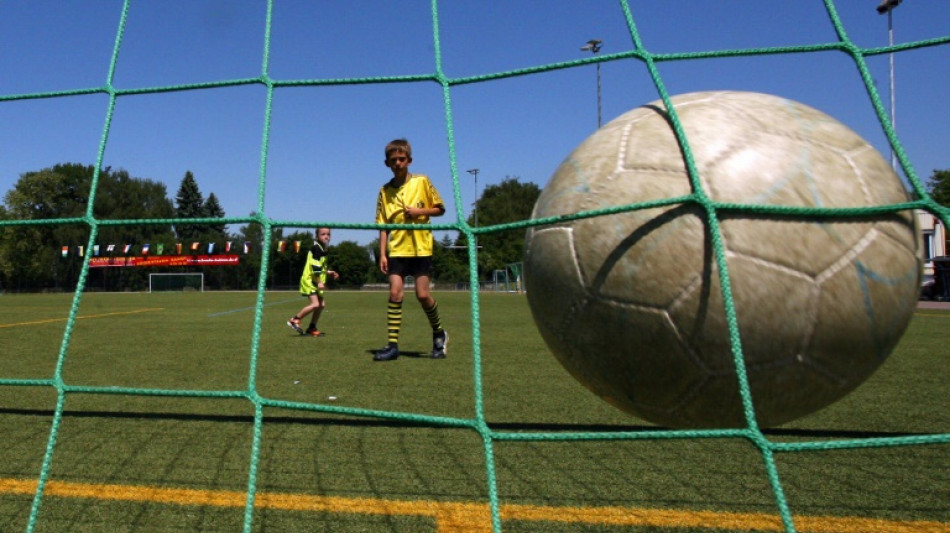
(887, 5)
(592, 45)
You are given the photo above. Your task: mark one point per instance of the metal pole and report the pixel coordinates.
(474, 172)
(890, 41)
(598, 97)
(593, 46)
(887, 6)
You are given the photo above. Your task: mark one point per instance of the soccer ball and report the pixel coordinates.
(631, 303)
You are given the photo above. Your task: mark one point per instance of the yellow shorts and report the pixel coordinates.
(307, 287)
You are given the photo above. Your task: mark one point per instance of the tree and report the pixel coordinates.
(30, 254)
(189, 203)
(449, 264)
(352, 262)
(122, 196)
(939, 187)
(247, 273)
(212, 209)
(508, 201)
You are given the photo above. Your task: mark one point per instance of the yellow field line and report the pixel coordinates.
(48, 320)
(454, 517)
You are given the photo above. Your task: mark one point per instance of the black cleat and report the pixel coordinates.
(314, 332)
(440, 341)
(387, 353)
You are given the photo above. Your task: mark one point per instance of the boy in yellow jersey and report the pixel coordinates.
(312, 283)
(407, 199)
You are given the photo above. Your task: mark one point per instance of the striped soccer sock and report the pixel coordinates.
(393, 321)
(432, 314)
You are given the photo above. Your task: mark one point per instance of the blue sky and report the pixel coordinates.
(325, 145)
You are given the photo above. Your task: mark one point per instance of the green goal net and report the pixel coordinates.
(176, 281)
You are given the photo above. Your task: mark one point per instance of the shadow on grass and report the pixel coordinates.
(334, 420)
(403, 353)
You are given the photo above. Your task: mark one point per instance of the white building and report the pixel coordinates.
(933, 239)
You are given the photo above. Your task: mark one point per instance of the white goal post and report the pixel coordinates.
(176, 281)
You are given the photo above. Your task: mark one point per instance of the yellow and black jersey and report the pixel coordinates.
(314, 270)
(417, 191)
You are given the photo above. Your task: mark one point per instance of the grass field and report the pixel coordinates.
(139, 449)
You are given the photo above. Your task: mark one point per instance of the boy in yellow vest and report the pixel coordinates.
(312, 284)
(407, 199)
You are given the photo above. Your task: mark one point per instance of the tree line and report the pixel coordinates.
(31, 256)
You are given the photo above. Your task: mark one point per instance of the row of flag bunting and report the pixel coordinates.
(160, 248)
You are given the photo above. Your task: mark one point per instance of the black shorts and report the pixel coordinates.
(411, 266)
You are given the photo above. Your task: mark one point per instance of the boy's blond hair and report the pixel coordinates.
(399, 145)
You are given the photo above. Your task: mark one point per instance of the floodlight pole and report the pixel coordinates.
(593, 46)
(474, 172)
(887, 6)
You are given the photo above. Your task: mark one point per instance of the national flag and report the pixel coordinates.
(296, 247)
(110, 248)
(247, 247)
(227, 246)
(210, 248)
(178, 248)
(65, 251)
(145, 248)
(281, 246)
(160, 249)
(127, 248)
(95, 250)
(80, 248)
(194, 246)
